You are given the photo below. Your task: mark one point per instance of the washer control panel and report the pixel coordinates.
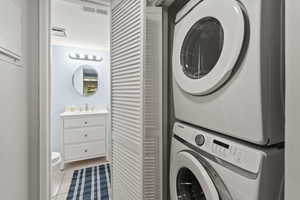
(225, 150)
(232, 151)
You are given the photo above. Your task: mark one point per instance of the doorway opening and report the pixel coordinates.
(80, 99)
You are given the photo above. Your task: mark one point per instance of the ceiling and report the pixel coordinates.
(84, 28)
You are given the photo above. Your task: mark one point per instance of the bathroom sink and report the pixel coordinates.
(76, 113)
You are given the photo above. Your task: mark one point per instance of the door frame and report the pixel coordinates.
(44, 16)
(44, 99)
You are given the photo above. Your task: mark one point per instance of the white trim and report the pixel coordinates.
(44, 98)
(110, 104)
(165, 105)
(292, 99)
(142, 89)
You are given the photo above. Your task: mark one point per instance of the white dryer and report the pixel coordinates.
(228, 72)
(208, 167)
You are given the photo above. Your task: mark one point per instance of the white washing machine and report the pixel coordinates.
(228, 72)
(205, 166)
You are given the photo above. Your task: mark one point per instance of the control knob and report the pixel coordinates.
(200, 139)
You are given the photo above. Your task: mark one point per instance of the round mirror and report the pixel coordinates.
(85, 80)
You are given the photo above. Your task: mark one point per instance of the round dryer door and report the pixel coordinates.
(189, 180)
(208, 41)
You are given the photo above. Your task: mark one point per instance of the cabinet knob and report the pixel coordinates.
(85, 135)
(85, 150)
(85, 122)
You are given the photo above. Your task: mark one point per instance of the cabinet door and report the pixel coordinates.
(81, 135)
(136, 100)
(84, 150)
(127, 98)
(85, 122)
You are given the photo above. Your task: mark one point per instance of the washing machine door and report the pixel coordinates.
(189, 180)
(208, 42)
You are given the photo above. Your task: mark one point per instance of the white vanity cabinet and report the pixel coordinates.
(83, 136)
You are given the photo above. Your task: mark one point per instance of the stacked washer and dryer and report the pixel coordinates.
(228, 87)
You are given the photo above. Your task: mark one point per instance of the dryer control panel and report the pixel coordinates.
(232, 151)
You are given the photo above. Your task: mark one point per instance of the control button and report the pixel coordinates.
(224, 152)
(200, 140)
(213, 148)
(230, 149)
(239, 157)
(234, 151)
(216, 149)
(208, 141)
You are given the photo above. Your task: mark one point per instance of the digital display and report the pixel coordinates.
(221, 144)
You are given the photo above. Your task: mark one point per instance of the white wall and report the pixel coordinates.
(292, 99)
(62, 91)
(18, 139)
(84, 29)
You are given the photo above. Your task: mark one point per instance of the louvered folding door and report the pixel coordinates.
(136, 101)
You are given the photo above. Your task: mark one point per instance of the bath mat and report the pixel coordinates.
(92, 183)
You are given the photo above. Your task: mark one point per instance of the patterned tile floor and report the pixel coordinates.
(68, 173)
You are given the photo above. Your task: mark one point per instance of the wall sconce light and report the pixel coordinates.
(88, 57)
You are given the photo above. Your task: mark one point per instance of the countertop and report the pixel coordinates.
(84, 113)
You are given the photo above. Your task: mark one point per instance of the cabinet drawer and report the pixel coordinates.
(82, 135)
(84, 122)
(80, 151)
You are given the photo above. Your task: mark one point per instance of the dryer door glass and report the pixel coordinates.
(202, 47)
(188, 187)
